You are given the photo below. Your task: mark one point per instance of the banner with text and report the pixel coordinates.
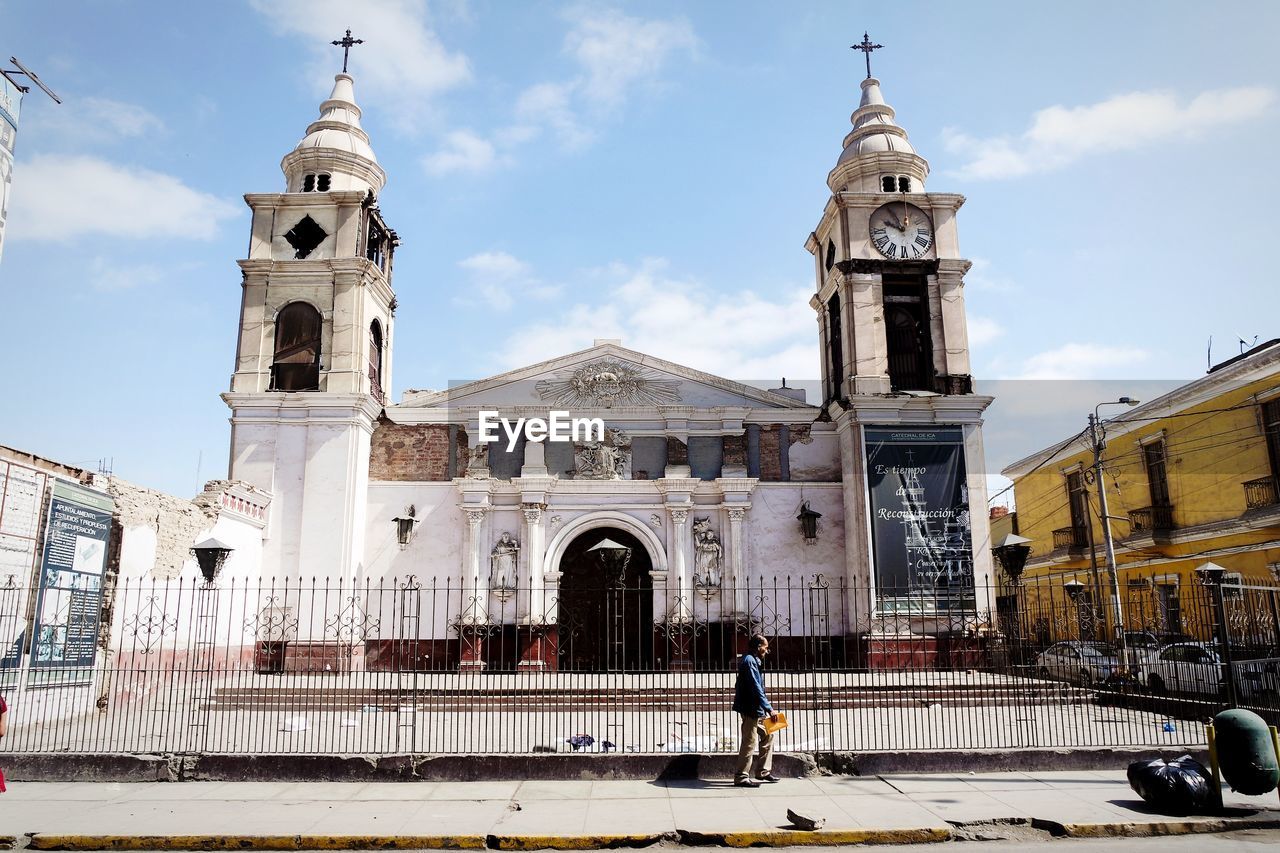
(921, 545)
(10, 102)
(75, 555)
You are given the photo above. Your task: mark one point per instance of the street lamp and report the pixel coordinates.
(1012, 554)
(1212, 575)
(210, 555)
(614, 559)
(1098, 441)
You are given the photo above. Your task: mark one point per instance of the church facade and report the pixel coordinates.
(687, 505)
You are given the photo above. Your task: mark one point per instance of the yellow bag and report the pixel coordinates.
(770, 726)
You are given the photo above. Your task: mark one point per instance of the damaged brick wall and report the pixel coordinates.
(677, 451)
(176, 522)
(411, 452)
(735, 450)
(770, 452)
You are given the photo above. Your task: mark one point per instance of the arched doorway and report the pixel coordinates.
(606, 604)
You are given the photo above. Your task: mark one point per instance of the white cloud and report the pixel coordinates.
(109, 276)
(60, 198)
(402, 62)
(496, 264)
(739, 335)
(613, 54)
(616, 51)
(1082, 361)
(95, 121)
(463, 151)
(1059, 136)
(981, 277)
(550, 105)
(498, 278)
(983, 330)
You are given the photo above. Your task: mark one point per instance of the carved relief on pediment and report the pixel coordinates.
(605, 383)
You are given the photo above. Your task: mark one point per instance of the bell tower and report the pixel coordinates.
(313, 359)
(896, 380)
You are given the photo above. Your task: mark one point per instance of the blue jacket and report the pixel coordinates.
(748, 690)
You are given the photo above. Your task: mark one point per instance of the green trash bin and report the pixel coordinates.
(1246, 756)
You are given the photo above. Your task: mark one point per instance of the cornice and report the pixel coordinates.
(307, 406)
(329, 199)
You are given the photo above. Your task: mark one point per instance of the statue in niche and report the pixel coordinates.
(604, 460)
(708, 555)
(504, 559)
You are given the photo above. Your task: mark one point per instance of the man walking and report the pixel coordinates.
(753, 706)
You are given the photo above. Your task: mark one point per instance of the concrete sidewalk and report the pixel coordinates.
(516, 815)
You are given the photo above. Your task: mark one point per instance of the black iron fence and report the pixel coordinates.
(401, 665)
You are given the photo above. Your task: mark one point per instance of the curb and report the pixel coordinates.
(45, 841)
(178, 767)
(688, 838)
(1152, 829)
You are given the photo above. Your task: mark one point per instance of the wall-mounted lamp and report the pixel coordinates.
(808, 522)
(210, 556)
(404, 526)
(1074, 588)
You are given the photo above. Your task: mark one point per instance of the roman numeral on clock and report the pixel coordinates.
(922, 241)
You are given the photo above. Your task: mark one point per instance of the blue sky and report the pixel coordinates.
(649, 171)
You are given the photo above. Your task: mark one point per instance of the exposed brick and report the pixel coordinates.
(677, 451)
(400, 452)
(799, 434)
(770, 452)
(735, 449)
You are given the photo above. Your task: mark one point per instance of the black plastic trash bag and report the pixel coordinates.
(1179, 787)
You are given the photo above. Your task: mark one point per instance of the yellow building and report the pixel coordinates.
(1191, 478)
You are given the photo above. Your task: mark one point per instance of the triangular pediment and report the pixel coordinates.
(606, 376)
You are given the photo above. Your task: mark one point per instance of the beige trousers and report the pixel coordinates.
(753, 731)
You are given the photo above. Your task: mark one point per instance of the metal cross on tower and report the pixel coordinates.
(346, 43)
(865, 46)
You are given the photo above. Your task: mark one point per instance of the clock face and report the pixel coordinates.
(901, 231)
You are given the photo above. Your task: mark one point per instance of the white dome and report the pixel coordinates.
(336, 145)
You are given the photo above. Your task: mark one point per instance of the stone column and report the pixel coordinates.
(679, 608)
(474, 616)
(955, 330)
(534, 645)
(737, 560)
(869, 351)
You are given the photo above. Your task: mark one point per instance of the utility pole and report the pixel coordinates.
(1097, 438)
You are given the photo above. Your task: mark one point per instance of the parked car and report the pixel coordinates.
(1078, 661)
(1197, 668)
(1141, 645)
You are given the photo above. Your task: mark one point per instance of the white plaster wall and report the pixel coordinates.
(778, 558)
(817, 460)
(286, 218)
(433, 558)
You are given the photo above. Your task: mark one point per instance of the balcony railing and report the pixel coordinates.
(1260, 493)
(1151, 519)
(1070, 537)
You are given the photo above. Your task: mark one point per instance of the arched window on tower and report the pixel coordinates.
(296, 365)
(375, 361)
(831, 254)
(888, 184)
